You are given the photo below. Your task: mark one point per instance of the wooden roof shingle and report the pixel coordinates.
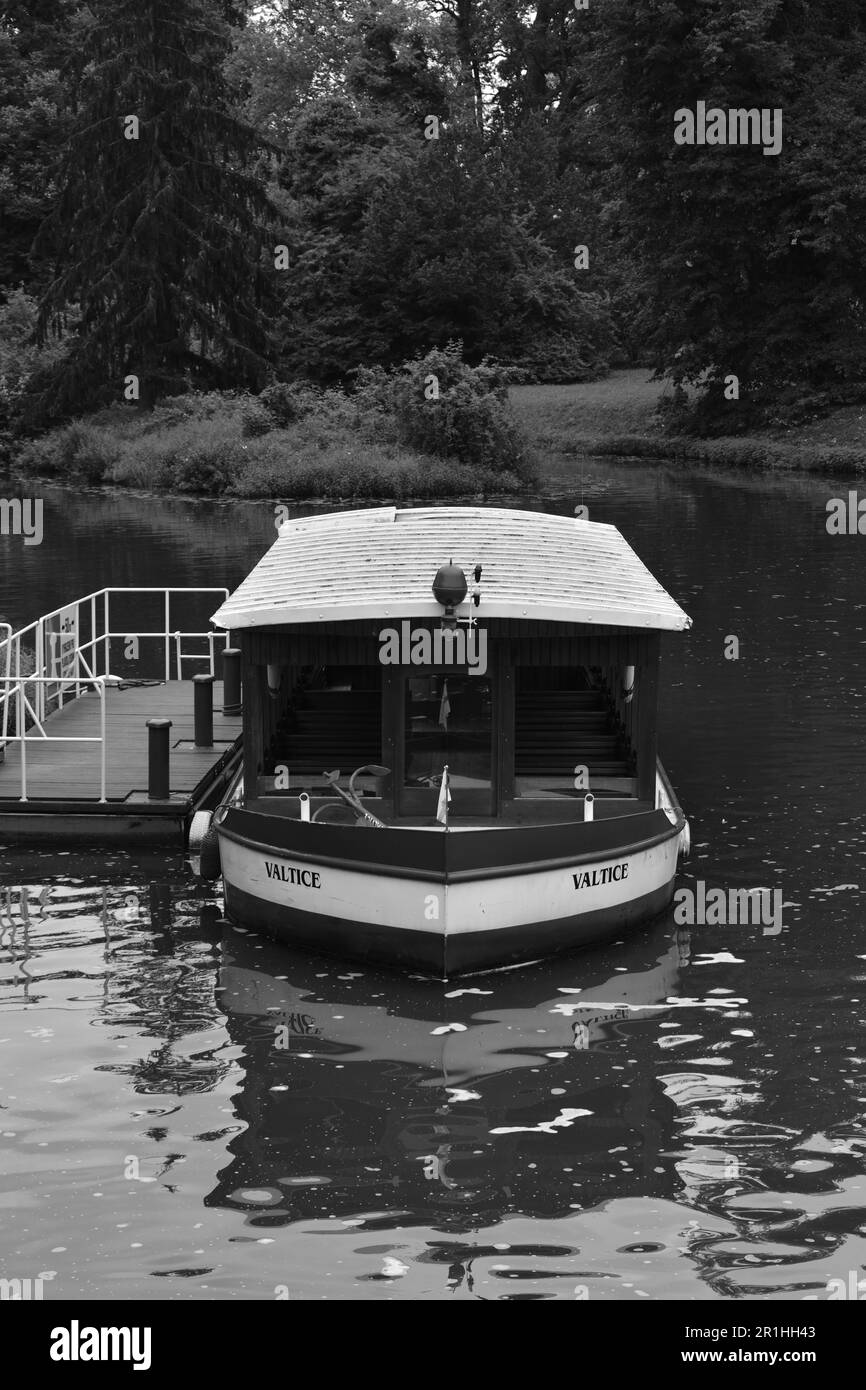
(380, 562)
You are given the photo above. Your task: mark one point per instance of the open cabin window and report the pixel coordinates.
(332, 719)
(566, 718)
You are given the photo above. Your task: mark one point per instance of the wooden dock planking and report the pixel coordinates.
(70, 771)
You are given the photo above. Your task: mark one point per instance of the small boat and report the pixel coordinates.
(449, 739)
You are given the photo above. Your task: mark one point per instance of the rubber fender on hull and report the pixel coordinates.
(210, 866)
(204, 845)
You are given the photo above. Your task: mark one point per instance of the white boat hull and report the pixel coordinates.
(445, 923)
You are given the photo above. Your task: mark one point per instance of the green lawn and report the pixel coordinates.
(623, 403)
(615, 416)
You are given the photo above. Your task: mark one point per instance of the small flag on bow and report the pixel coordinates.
(444, 798)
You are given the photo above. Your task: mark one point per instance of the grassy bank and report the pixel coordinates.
(616, 416)
(388, 442)
(295, 443)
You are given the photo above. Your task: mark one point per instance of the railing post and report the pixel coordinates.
(19, 729)
(158, 734)
(77, 649)
(232, 680)
(40, 665)
(106, 622)
(167, 619)
(6, 646)
(203, 697)
(101, 688)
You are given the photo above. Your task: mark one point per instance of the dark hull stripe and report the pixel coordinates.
(432, 952)
(499, 861)
(398, 850)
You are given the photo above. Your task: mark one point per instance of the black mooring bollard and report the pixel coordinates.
(203, 687)
(232, 680)
(158, 735)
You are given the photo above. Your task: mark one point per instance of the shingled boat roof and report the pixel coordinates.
(379, 562)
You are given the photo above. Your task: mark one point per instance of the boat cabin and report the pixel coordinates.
(518, 649)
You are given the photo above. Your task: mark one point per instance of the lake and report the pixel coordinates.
(677, 1115)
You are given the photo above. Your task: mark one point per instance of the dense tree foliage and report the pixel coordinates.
(752, 264)
(34, 44)
(159, 229)
(448, 251)
(435, 165)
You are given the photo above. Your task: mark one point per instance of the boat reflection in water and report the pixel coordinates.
(372, 1094)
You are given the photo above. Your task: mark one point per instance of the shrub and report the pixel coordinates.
(442, 406)
(557, 359)
(79, 450)
(255, 420)
(384, 440)
(38, 457)
(227, 406)
(338, 472)
(287, 401)
(146, 462)
(191, 455)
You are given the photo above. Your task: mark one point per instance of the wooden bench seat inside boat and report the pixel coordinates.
(326, 728)
(558, 730)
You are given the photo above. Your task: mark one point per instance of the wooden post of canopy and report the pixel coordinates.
(646, 716)
(503, 733)
(253, 680)
(392, 726)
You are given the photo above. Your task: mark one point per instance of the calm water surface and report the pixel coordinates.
(678, 1115)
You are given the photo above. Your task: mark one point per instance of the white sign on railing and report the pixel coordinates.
(61, 641)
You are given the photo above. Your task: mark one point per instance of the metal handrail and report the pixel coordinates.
(6, 642)
(23, 735)
(77, 664)
(42, 638)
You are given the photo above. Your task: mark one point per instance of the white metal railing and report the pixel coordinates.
(5, 666)
(67, 652)
(35, 732)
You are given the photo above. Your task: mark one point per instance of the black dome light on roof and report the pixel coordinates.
(449, 586)
(449, 589)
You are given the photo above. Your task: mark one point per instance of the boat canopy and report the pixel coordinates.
(380, 562)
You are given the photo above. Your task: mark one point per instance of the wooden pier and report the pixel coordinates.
(63, 779)
(82, 770)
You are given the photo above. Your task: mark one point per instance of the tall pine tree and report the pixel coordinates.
(160, 232)
(752, 264)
